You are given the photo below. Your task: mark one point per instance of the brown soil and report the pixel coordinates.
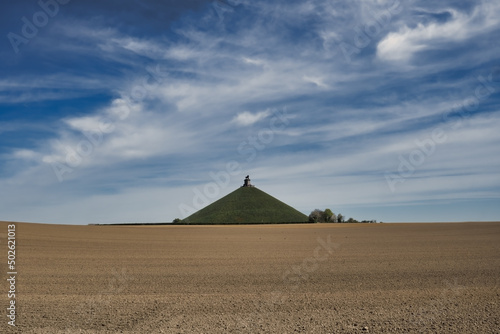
(322, 278)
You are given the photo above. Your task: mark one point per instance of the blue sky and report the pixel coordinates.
(144, 111)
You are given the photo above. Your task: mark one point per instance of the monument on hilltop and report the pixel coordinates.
(246, 182)
(247, 205)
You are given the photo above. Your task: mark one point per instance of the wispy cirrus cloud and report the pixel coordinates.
(403, 44)
(247, 118)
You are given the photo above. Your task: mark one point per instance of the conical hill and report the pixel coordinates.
(247, 205)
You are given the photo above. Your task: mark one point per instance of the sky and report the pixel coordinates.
(145, 111)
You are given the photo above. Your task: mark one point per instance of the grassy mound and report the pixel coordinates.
(246, 205)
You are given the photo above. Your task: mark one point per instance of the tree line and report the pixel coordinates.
(327, 216)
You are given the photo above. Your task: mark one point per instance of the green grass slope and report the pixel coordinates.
(246, 205)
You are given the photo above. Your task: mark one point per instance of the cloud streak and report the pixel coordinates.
(403, 44)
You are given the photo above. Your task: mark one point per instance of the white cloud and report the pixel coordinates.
(26, 154)
(142, 47)
(246, 118)
(318, 81)
(252, 61)
(402, 45)
(87, 124)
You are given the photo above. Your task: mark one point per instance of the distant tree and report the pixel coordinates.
(176, 221)
(316, 216)
(327, 216)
